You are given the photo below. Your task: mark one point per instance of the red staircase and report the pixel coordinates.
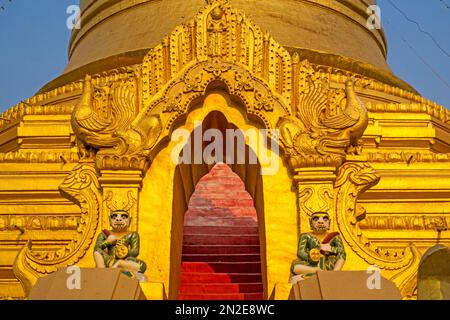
(221, 251)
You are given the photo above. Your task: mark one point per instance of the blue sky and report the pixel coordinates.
(34, 39)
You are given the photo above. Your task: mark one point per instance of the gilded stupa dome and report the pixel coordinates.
(117, 33)
(113, 27)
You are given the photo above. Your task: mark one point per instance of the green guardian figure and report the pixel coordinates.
(119, 248)
(318, 250)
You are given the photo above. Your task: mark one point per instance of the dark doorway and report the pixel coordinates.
(221, 257)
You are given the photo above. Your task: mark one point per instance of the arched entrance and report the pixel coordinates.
(221, 249)
(167, 190)
(221, 252)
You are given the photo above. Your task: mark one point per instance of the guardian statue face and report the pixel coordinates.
(119, 221)
(320, 222)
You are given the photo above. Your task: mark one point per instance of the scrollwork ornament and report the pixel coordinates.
(353, 179)
(82, 188)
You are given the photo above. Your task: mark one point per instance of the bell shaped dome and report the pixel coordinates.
(121, 28)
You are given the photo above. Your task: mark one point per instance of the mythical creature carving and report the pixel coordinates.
(103, 110)
(141, 137)
(318, 250)
(119, 247)
(105, 118)
(353, 121)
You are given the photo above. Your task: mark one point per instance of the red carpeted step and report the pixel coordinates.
(235, 209)
(220, 230)
(219, 195)
(229, 202)
(231, 296)
(221, 239)
(222, 257)
(221, 249)
(204, 277)
(197, 288)
(221, 267)
(208, 209)
(221, 252)
(207, 187)
(222, 221)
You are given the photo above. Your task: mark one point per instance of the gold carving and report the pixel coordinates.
(217, 33)
(217, 68)
(256, 95)
(114, 205)
(194, 85)
(173, 104)
(408, 157)
(389, 222)
(263, 102)
(39, 157)
(28, 107)
(105, 110)
(432, 109)
(121, 162)
(315, 193)
(316, 198)
(104, 117)
(217, 25)
(325, 133)
(29, 222)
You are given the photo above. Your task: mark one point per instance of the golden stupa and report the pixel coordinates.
(99, 136)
